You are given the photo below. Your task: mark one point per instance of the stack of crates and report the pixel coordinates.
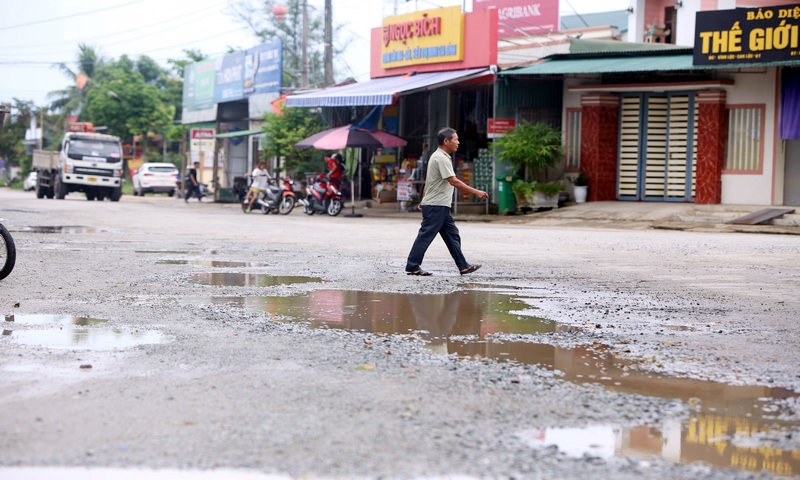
(482, 171)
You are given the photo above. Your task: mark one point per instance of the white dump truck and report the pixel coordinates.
(86, 162)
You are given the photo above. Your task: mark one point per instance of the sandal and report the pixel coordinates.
(469, 269)
(419, 272)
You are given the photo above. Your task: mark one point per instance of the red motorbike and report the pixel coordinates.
(322, 197)
(276, 198)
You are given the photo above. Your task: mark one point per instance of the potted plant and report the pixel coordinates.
(580, 187)
(545, 194)
(522, 191)
(532, 148)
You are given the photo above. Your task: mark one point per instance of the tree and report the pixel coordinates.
(284, 130)
(72, 100)
(122, 100)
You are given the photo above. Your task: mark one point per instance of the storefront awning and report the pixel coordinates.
(607, 65)
(381, 91)
(629, 64)
(240, 133)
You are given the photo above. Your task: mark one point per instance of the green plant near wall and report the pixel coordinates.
(548, 188)
(522, 190)
(532, 147)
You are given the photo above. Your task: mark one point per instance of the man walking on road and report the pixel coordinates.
(193, 185)
(440, 182)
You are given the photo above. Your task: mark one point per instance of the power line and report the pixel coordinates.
(122, 32)
(69, 16)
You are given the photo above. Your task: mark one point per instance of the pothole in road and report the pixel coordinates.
(223, 279)
(75, 333)
(741, 427)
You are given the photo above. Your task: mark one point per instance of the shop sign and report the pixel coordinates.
(201, 146)
(747, 35)
(198, 85)
(500, 126)
(263, 68)
(430, 36)
(522, 17)
(233, 77)
(230, 78)
(202, 133)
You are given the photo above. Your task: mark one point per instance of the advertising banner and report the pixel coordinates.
(747, 35)
(430, 36)
(263, 68)
(522, 17)
(230, 78)
(198, 85)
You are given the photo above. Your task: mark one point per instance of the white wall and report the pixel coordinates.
(754, 189)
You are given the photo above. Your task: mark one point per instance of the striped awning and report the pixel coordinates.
(381, 91)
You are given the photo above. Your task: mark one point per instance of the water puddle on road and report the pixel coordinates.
(213, 263)
(69, 229)
(75, 333)
(222, 279)
(729, 426)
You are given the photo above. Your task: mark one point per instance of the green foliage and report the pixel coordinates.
(122, 100)
(284, 130)
(582, 180)
(522, 190)
(531, 147)
(548, 188)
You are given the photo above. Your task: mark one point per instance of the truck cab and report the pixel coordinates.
(87, 162)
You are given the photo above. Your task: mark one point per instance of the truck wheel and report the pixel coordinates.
(116, 194)
(59, 188)
(90, 195)
(39, 191)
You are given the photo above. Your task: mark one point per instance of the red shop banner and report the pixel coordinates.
(522, 17)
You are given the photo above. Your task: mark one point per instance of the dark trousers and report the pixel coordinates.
(436, 220)
(193, 190)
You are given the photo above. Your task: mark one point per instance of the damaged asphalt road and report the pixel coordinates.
(148, 337)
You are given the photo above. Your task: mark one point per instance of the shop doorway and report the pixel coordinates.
(791, 181)
(657, 147)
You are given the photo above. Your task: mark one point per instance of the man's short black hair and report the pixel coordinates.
(444, 134)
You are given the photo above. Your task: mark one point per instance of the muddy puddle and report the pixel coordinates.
(66, 229)
(235, 279)
(75, 333)
(214, 263)
(729, 426)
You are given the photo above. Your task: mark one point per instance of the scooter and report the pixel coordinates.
(275, 199)
(322, 197)
(8, 252)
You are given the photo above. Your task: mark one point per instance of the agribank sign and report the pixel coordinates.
(747, 35)
(430, 36)
(522, 17)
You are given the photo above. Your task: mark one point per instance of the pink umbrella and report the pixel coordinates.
(348, 136)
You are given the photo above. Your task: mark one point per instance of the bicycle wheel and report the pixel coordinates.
(8, 252)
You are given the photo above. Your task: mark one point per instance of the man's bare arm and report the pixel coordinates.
(459, 184)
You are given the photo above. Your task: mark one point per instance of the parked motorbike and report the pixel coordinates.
(8, 252)
(322, 197)
(276, 198)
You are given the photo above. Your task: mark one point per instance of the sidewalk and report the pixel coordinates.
(626, 215)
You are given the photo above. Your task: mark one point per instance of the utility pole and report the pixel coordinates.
(328, 44)
(304, 54)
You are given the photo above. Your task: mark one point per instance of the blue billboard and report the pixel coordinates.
(233, 77)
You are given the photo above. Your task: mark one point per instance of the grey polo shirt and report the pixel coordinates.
(438, 190)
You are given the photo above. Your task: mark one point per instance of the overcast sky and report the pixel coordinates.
(35, 34)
